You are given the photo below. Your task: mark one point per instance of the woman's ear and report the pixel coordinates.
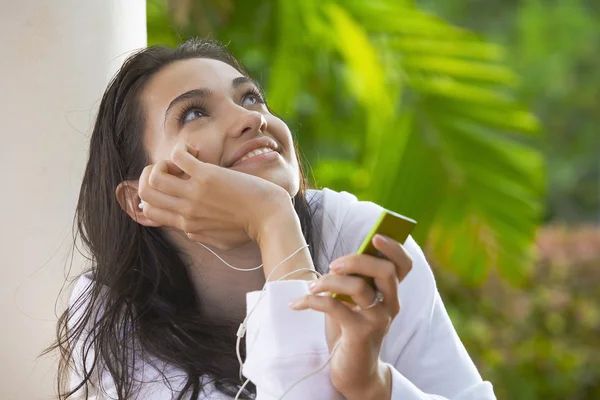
(127, 196)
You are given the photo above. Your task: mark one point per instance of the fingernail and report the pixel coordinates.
(383, 237)
(336, 266)
(293, 304)
(312, 286)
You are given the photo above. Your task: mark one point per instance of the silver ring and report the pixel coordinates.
(378, 299)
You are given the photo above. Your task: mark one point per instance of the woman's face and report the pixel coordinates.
(211, 106)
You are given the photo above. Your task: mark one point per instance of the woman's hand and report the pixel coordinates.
(213, 205)
(355, 369)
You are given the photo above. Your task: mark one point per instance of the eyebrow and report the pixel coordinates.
(204, 93)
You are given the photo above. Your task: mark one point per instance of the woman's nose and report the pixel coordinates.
(245, 122)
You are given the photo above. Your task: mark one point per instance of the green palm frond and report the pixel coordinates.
(404, 109)
(485, 184)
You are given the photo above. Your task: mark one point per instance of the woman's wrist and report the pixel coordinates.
(279, 236)
(275, 210)
(380, 387)
(281, 218)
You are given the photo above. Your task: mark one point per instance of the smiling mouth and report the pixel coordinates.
(253, 153)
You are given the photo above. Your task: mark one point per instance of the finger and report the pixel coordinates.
(164, 217)
(356, 287)
(184, 157)
(161, 179)
(164, 201)
(396, 253)
(143, 181)
(381, 270)
(328, 305)
(174, 170)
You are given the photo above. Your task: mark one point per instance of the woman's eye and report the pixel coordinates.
(251, 100)
(192, 115)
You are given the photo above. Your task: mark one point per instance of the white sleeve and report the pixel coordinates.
(425, 355)
(440, 365)
(424, 352)
(284, 345)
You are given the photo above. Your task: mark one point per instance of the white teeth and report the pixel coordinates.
(255, 152)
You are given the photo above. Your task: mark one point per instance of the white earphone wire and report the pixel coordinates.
(242, 329)
(226, 263)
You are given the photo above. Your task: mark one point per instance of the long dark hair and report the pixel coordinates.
(143, 303)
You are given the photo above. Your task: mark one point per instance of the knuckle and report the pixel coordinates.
(395, 308)
(198, 192)
(147, 211)
(142, 190)
(325, 279)
(176, 154)
(409, 263)
(154, 180)
(329, 303)
(361, 286)
(352, 262)
(389, 271)
(184, 224)
(146, 170)
(187, 211)
(310, 301)
(162, 166)
(207, 177)
(144, 176)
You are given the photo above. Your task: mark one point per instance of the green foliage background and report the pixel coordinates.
(424, 107)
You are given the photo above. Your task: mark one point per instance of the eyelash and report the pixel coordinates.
(189, 106)
(254, 92)
(198, 105)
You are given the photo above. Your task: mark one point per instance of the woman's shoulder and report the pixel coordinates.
(346, 221)
(80, 295)
(341, 214)
(87, 303)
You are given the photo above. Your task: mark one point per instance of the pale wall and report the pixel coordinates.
(56, 57)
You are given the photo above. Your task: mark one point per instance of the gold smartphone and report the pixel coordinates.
(390, 224)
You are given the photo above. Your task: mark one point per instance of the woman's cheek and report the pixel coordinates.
(282, 133)
(209, 151)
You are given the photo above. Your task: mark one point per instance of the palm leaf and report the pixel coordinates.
(404, 109)
(482, 202)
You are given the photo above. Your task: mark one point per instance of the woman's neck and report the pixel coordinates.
(221, 289)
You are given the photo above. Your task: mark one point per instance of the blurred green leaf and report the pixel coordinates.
(448, 48)
(403, 108)
(453, 67)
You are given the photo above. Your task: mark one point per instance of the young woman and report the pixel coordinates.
(192, 182)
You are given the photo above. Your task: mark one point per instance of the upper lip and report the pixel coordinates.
(253, 144)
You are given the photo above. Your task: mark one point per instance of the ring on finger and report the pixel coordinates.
(378, 299)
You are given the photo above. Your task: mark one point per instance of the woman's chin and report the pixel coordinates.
(283, 179)
(278, 172)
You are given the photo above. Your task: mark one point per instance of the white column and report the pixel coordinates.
(56, 58)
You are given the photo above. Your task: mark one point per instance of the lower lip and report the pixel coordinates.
(271, 155)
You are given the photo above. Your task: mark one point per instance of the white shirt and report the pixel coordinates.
(425, 355)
